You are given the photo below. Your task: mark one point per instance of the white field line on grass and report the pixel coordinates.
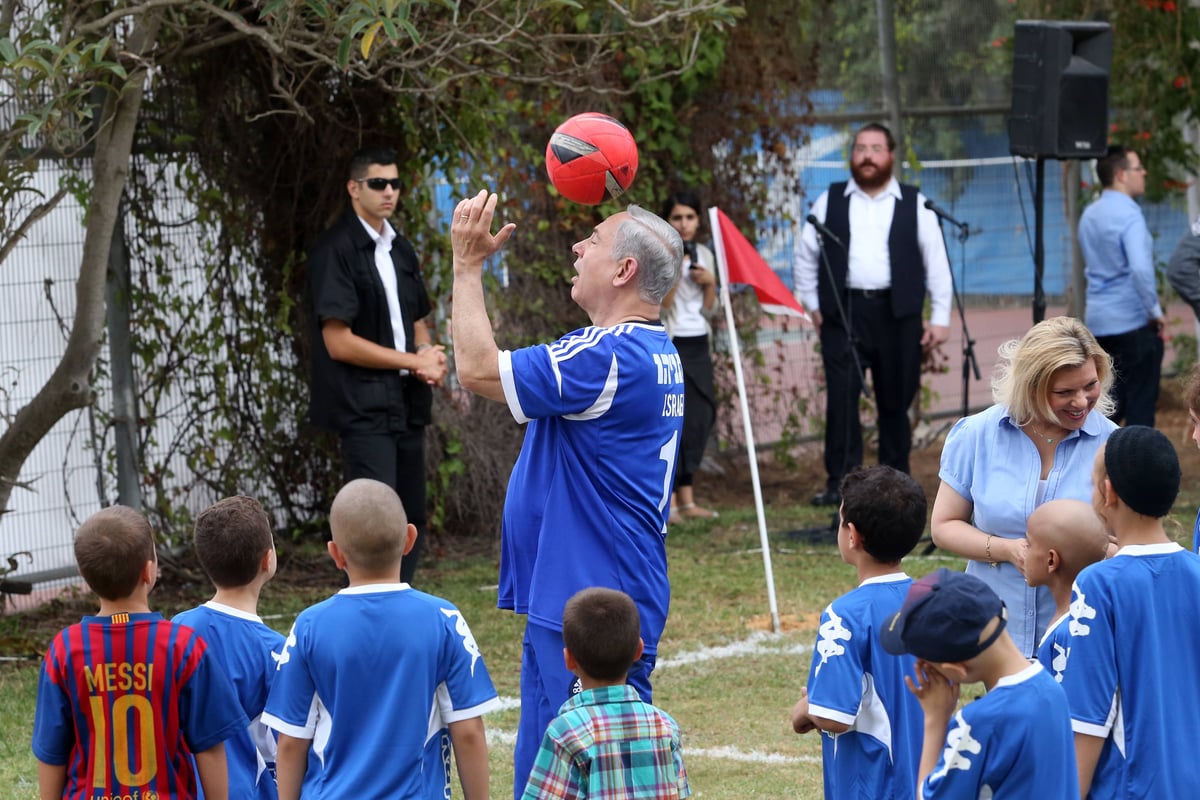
(497, 738)
(755, 644)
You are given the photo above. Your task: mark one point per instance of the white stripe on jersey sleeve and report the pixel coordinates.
(510, 387)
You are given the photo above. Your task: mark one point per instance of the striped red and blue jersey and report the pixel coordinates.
(124, 701)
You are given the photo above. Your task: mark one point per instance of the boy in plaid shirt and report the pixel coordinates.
(605, 742)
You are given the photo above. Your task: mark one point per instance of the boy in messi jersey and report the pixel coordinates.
(1131, 674)
(1015, 741)
(1063, 537)
(378, 677)
(605, 743)
(236, 548)
(589, 496)
(855, 692)
(126, 698)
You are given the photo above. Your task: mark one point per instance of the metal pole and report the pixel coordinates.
(1039, 243)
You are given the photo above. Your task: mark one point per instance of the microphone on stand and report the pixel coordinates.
(823, 229)
(941, 212)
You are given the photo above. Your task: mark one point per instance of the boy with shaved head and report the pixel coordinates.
(1063, 536)
(380, 679)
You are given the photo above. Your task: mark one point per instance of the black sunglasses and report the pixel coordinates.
(379, 184)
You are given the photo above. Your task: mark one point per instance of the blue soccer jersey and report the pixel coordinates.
(247, 650)
(124, 702)
(1131, 675)
(372, 676)
(588, 498)
(1055, 647)
(1014, 742)
(854, 681)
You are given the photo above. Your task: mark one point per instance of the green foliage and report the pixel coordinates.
(944, 56)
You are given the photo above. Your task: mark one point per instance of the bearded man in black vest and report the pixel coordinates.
(885, 251)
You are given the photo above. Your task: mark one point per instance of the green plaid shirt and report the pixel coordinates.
(607, 743)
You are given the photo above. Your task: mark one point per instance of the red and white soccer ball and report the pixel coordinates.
(591, 157)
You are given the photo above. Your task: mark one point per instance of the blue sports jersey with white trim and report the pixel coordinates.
(1131, 675)
(1014, 742)
(366, 675)
(244, 646)
(1055, 647)
(853, 680)
(587, 502)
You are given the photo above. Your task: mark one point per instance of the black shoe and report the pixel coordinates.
(829, 497)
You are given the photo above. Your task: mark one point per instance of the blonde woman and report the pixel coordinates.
(1037, 443)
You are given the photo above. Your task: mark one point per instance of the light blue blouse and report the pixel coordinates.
(992, 464)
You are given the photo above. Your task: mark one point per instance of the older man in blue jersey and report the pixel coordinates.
(588, 499)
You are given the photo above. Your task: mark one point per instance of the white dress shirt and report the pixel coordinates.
(869, 264)
(387, 274)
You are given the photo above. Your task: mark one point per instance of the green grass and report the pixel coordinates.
(731, 709)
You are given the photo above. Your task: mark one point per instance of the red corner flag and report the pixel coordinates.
(741, 263)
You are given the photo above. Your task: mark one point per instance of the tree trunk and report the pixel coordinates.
(69, 387)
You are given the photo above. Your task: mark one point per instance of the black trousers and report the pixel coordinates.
(397, 459)
(889, 349)
(1137, 366)
(699, 405)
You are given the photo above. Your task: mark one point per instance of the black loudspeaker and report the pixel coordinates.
(1060, 89)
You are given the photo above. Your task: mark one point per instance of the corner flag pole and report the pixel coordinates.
(735, 346)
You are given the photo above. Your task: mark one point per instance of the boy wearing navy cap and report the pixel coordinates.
(1130, 679)
(955, 625)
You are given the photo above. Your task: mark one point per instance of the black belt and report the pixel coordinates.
(870, 294)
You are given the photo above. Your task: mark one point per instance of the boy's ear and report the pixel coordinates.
(410, 538)
(954, 670)
(641, 646)
(1053, 561)
(335, 552)
(1107, 494)
(149, 574)
(569, 660)
(854, 538)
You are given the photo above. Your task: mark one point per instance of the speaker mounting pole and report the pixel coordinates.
(1039, 241)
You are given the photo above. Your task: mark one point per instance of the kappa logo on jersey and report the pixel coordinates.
(959, 744)
(832, 633)
(670, 368)
(285, 655)
(461, 628)
(1080, 611)
(1059, 663)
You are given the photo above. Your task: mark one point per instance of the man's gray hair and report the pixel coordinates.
(656, 246)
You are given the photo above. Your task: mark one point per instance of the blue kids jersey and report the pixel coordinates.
(124, 702)
(372, 676)
(1131, 675)
(1055, 647)
(853, 680)
(587, 500)
(247, 650)
(1015, 742)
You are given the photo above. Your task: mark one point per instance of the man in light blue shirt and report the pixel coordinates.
(1122, 296)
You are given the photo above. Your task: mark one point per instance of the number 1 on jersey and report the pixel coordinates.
(668, 453)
